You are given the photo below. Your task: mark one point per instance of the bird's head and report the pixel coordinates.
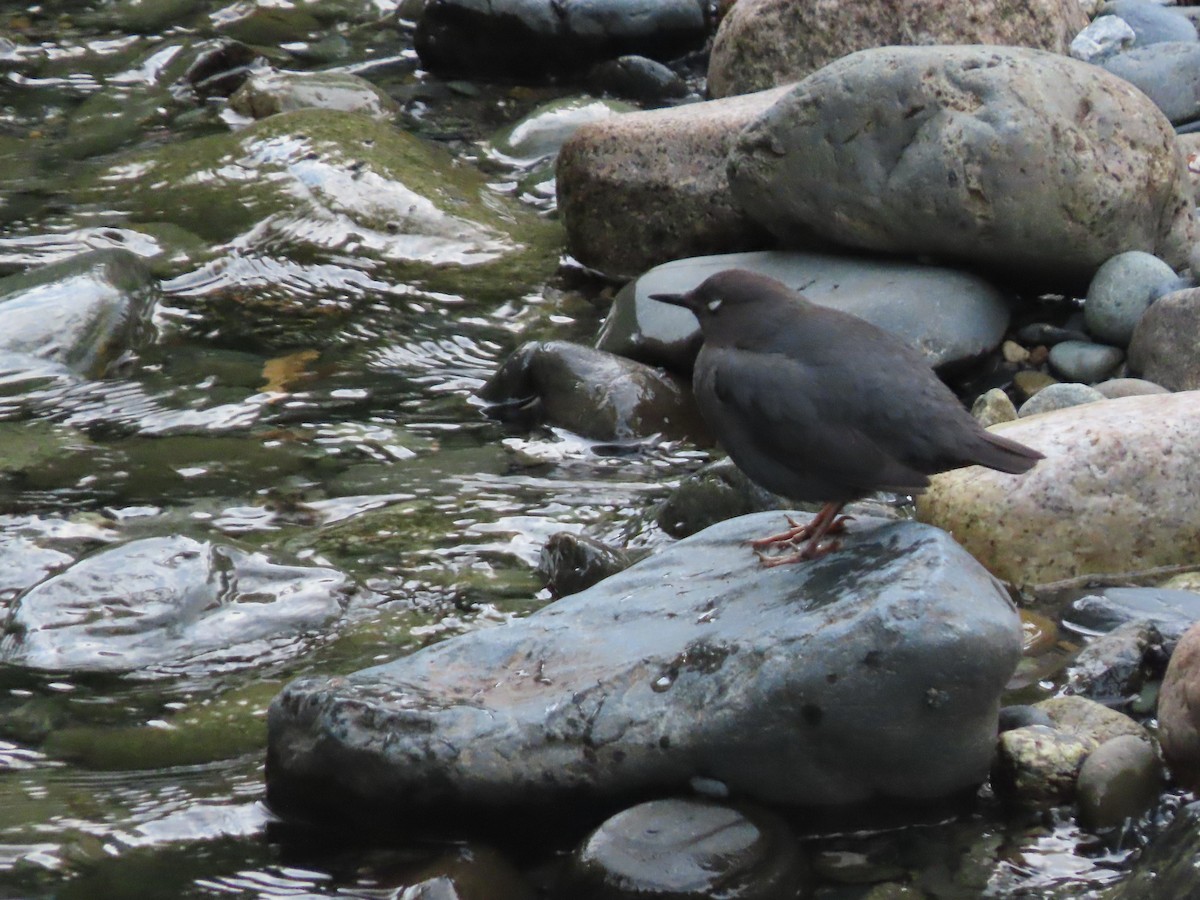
(731, 295)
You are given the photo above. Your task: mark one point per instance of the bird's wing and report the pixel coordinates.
(813, 420)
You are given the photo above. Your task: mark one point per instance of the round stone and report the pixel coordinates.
(1058, 396)
(992, 407)
(1120, 292)
(682, 848)
(1119, 780)
(1129, 387)
(1083, 361)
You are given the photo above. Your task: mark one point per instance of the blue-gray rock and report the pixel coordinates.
(1153, 23)
(897, 149)
(872, 673)
(161, 604)
(83, 312)
(1163, 348)
(1119, 780)
(533, 38)
(1119, 294)
(951, 316)
(1115, 666)
(685, 849)
(1085, 362)
(1058, 396)
(595, 394)
(1104, 36)
(1169, 74)
(1170, 611)
(636, 78)
(1048, 335)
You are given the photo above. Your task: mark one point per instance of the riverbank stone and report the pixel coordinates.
(1020, 160)
(873, 673)
(948, 315)
(1120, 292)
(1085, 362)
(1116, 494)
(1166, 73)
(1163, 348)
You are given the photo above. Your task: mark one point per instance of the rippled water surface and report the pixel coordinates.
(307, 394)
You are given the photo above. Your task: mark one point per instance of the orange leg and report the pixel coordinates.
(827, 521)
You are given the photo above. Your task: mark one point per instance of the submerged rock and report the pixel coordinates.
(268, 92)
(874, 672)
(167, 603)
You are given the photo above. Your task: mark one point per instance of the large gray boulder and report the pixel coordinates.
(1017, 159)
(874, 672)
(764, 43)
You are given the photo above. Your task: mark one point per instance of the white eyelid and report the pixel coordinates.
(714, 305)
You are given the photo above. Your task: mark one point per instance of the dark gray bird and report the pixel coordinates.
(816, 404)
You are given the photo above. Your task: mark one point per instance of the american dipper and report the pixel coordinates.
(817, 404)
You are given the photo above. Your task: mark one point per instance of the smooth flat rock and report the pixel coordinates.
(1025, 161)
(1117, 493)
(1169, 74)
(948, 315)
(874, 672)
(764, 43)
(647, 187)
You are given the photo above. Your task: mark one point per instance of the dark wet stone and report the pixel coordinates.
(1168, 866)
(1170, 611)
(872, 673)
(1169, 74)
(533, 38)
(1020, 716)
(1045, 334)
(679, 849)
(164, 603)
(220, 68)
(947, 314)
(592, 393)
(1179, 710)
(636, 78)
(1120, 779)
(715, 493)
(572, 562)
(1114, 667)
(83, 312)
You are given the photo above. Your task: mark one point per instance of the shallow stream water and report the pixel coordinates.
(303, 398)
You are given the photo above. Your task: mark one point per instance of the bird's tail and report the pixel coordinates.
(1005, 455)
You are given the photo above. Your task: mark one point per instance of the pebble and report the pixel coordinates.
(1120, 292)
(1029, 382)
(1013, 352)
(1084, 361)
(1129, 387)
(993, 407)
(1058, 396)
(1105, 36)
(1121, 779)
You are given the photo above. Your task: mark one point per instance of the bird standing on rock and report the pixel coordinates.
(817, 404)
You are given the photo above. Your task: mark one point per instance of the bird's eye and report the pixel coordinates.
(714, 304)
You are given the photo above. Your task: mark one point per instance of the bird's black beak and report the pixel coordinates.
(687, 301)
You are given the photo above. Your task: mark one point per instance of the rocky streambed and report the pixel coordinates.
(359, 535)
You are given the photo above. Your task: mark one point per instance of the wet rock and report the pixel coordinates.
(23, 564)
(1166, 73)
(764, 43)
(1037, 765)
(949, 315)
(1120, 779)
(636, 78)
(1163, 347)
(993, 407)
(592, 393)
(1129, 387)
(1089, 721)
(1119, 294)
(1058, 396)
(686, 849)
(219, 68)
(1046, 525)
(267, 93)
(648, 187)
(1170, 611)
(1022, 716)
(1048, 335)
(166, 603)
(1167, 866)
(1083, 361)
(717, 492)
(1179, 710)
(814, 684)
(921, 170)
(1114, 667)
(85, 312)
(534, 38)
(573, 562)
(316, 185)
